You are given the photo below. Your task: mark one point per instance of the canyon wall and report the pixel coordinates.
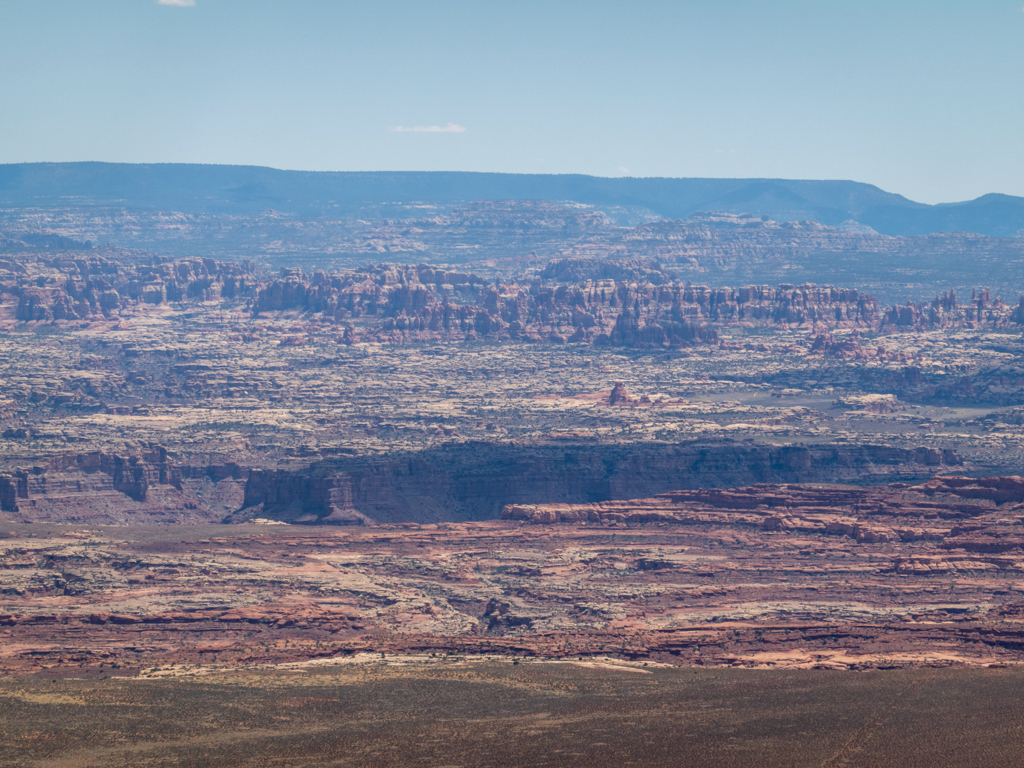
(108, 489)
(474, 481)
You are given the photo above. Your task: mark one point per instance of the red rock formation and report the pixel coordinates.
(868, 515)
(619, 395)
(767, 576)
(101, 488)
(99, 288)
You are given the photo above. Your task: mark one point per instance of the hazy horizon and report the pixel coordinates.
(919, 99)
(483, 172)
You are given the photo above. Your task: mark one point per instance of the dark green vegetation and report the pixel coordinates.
(249, 189)
(528, 714)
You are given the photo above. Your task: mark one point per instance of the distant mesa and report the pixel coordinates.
(41, 241)
(563, 241)
(249, 190)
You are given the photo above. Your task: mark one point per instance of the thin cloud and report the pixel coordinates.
(450, 128)
(178, 3)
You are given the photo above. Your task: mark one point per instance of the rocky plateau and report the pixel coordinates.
(588, 440)
(770, 575)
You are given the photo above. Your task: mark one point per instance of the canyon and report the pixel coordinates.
(563, 454)
(767, 576)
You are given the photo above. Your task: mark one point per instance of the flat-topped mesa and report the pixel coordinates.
(384, 290)
(396, 303)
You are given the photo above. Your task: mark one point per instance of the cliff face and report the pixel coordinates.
(474, 481)
(622, 302)
(393, 303)
(301, 498)
(107, 489)
(99, 287)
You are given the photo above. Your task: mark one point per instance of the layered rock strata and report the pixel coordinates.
(833, 577)
(474, 481)
(395, 303)
(425, 302)
(107, 489)
(975, 514)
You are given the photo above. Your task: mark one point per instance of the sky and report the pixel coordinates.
(925, 99)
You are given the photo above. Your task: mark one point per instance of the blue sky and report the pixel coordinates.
(921, 98)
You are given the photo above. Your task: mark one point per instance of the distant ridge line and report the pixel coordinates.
(246, 190)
